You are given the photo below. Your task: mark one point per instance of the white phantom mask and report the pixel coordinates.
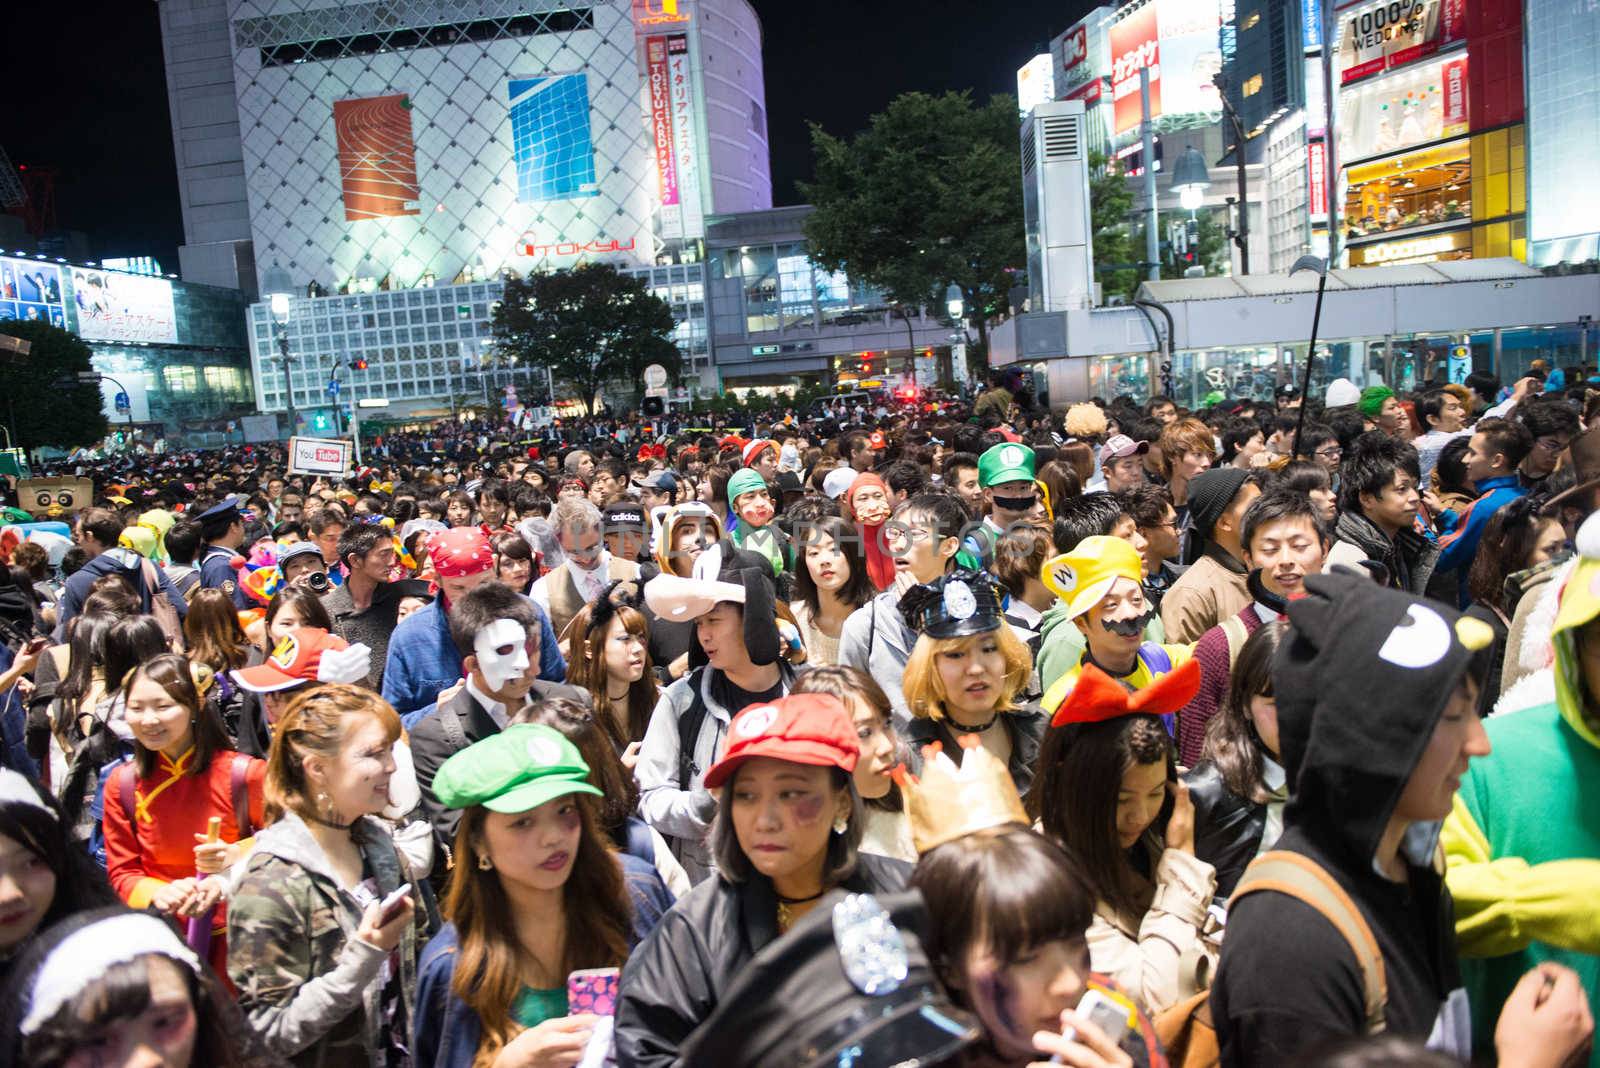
(502, 651)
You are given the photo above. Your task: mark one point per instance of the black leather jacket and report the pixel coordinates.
(1227, 828)
(676, 976)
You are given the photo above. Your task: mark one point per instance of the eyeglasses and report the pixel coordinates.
(1329, 454)
(1551, 444)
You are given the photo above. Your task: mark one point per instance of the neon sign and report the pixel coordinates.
(658, 13)
(530, 245)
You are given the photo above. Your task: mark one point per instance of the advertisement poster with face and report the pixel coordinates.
(30, 291)
(112, 306)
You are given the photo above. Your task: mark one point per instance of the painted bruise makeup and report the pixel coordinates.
(502, 651)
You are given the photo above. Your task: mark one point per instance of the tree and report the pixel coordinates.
(928, 195)
(1110, 210)
(41, 408)
(590, 325)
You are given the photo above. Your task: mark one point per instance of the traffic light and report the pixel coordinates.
(360, 363)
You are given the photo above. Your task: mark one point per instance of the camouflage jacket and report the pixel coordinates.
(308, 987)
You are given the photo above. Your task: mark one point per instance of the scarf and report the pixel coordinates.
(1265, 597)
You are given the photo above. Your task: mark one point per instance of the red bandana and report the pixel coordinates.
(459, 552)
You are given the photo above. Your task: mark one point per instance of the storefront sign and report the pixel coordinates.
(658, 13)
(661, 131)
(319, 456)
(1394, 33)
(530, 245)
(1413, 250)
(1318, 175)
(1089, 92)
(1310, 24)
(1075, 47)
(1454, 86)
(680, 90)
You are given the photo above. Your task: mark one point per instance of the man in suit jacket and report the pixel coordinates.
(497, 632)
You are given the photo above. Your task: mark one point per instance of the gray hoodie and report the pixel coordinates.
(875, 639)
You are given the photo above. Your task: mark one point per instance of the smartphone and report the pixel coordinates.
(1109, 1011)
(36, 645)
(391, 906)
(593, 990)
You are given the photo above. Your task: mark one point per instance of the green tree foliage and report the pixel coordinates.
(928, 195)
(1110, 215)
(38, 406)
(590, 325)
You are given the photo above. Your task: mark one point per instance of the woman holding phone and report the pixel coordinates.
(542, 910)
(325, 973)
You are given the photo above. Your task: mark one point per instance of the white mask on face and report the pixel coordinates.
(502, 651)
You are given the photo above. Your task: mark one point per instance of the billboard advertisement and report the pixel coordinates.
(658, 79)
(122, 307)
(680, 83)
(1411, 107)
(30, 290)
(1389, 34)
(649, 14)
(1178, 41)
(1075, 52)
(1035, 83)
(377, 157)
(550, 139)
(1135, 45)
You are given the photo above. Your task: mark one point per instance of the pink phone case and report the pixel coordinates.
(593, 990)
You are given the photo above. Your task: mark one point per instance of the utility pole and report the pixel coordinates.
(1241, 236)
(1152, 239)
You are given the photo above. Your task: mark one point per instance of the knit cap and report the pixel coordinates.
(1210, 493)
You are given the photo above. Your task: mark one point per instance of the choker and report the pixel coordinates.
(979, 729)
(798, 900)
(331, 823)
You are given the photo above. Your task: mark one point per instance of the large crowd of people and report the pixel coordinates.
(1256, 735)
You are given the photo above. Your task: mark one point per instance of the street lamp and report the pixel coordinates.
(1190, 179)
(955, 302)
(1241, 236)
(277, 287)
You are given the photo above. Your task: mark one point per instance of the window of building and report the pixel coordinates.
(1252, 85)
(1413, 191)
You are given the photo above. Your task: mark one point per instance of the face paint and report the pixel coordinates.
(502, 651)
(808, 809)
(1130, 628)
(755, 509)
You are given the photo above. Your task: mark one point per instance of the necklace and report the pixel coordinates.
(979, 729)
(314, 818)
(786, 915)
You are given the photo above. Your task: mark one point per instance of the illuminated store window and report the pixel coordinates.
(1429, 188)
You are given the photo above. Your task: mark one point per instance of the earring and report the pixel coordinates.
(484, 863)
(841, 824)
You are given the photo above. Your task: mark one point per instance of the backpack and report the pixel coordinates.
(161, 608)
(1186, 1029)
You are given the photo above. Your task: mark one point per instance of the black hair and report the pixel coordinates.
(103, 524)
(956, 461)
(1509, 437)
(858, 588)
(838, 864)
(481, 606)
(1303, 476)
(122, 991)
(1429, 405)
(1084, 516)
(183, 541)
(306, 604)
(1450, 470)
(1370, 466)
(1484, 384)
(495, 490)
(1236, 433)
(130, 642)
(1313, 437)
(1545, 417)
(945, 512)
(359, 539)
(905, 477)
(46, 833)
(1146, 503)
(1281, 503)
(1510, 536)
(1232, 743)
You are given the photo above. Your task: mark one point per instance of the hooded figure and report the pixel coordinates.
(751, 500)
(1376, 722)
(870, 512)
(1524, 839)
(687, 727)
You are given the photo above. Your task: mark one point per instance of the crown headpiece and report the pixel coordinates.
(952, 800)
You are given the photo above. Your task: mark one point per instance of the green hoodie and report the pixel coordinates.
(1523, 842)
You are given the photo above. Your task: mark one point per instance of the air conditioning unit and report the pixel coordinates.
(1055, 206)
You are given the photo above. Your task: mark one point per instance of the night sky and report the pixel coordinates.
(87, 92)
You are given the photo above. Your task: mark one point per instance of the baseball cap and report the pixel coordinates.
(296, 548)
(518, 769)
(1085, 575)
(802, 728)
(661, 481)
(1121, 446)
(1009, 462)
(1341, 391)
(835, 482)
(310, 654)
(753, 451)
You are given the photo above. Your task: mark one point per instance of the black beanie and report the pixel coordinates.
(1210, 493)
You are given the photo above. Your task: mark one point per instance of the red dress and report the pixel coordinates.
(170, 807)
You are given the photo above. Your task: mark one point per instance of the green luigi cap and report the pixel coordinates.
(1006, 462)
(518, 769)
(745, 480)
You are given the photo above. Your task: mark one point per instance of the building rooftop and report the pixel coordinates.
(1179, 290)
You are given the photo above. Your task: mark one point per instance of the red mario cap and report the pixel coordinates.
(803, 728)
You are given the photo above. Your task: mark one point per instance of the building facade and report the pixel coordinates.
(1563, 143)
(174, 354)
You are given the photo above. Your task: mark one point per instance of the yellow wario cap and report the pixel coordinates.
(1086, 574)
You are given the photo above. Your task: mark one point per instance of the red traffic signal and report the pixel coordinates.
(359, 364)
